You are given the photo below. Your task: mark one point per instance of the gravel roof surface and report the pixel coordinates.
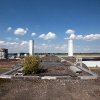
(52, 66)
(59, 89)
(49, 89)
(8, 64)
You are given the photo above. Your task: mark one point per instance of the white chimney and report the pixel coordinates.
(70, 48)
(31, 47)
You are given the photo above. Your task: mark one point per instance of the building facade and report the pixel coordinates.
(3, 53)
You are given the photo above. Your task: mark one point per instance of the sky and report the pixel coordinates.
(50, 23)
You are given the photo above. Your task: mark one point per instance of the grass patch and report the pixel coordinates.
(4, 68)
(94, 68)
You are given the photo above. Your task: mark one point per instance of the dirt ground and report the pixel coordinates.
(49, 89)
(8, 63)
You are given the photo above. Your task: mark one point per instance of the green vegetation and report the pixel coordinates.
(94, 68)
(86, 53)
(3, 70)
(32, 65)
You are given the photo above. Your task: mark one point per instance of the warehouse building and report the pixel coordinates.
(3, 53)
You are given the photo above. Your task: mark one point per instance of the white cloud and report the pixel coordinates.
(72, 36)
(26, 29)
(66, 38)
(79, 37)
(11, 43)
(8, 44)
(9, 39)
(15, 46)
(33, 34)
(1, 42)
(64, 46)
(44, 44)
(24, 43)
(61, 47)
(48, 36)
(16, 38)
(44, 47)
(42, 36)
(69, 31)
(57, 47)
(20, 31)
(92, 37)
(9, 29)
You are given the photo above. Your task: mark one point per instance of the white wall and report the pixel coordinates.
(92, 63)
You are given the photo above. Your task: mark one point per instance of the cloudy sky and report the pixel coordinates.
(50, 23)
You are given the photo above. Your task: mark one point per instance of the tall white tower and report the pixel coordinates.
(70, 48)
(31, 47)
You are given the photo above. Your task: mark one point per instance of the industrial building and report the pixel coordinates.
(3, 53)
(31, 47)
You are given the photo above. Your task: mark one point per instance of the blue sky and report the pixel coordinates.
(50, 23)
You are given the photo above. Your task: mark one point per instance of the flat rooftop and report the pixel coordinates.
(52, 66)
(49, 89)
